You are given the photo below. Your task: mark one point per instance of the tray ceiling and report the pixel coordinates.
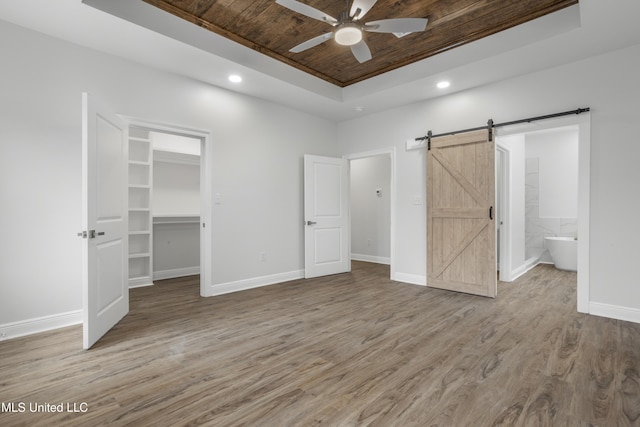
(271, 29)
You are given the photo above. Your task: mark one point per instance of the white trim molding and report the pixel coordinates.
(40, 324)
(614, 312)
(412, 279)
(176, 272)
(255, 282)
(371, 258)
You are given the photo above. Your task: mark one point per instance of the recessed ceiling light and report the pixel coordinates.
(234, 78)
(443, 85)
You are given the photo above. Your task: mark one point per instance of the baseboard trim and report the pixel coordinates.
(176, 272)
(519, 271)
(614, 312)
(255, 282)
(371, 258)
(39, 324)
(412, 279)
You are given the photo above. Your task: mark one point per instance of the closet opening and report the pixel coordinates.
(169, 217)
(175, 205)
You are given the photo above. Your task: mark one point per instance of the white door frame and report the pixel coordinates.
(206, 189)
(583, 121)
(504, 261)
(391, 152)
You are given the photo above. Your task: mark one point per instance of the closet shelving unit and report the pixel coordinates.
(140, 219)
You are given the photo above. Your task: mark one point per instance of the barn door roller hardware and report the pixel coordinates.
(490, 125)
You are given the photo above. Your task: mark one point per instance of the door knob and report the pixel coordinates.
(311, 222)
(93, 234)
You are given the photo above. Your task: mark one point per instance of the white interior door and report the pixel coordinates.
(326, 210)
(104, 202)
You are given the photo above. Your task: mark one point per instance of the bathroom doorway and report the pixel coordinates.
(539, 195)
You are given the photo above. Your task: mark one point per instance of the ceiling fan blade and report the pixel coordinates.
(311, 43)
(363, 5)
(361, 51)
(397, 25)
(307, 10)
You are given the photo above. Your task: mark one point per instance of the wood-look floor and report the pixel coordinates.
(352, 349)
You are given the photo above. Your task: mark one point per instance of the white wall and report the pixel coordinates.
(257, 150)
(176, 249)
(608, 84)
(557, 152)
(371, 211)
(176, 189)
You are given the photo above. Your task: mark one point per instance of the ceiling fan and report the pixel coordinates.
(348, 30)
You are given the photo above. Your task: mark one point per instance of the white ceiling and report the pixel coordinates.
(134, 30)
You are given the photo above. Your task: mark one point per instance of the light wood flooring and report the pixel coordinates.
(347, 350)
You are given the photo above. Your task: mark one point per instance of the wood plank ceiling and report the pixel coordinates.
(271, 29)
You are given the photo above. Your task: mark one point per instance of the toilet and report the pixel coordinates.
(563, 251)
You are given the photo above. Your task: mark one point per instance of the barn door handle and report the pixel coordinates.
(491, 213)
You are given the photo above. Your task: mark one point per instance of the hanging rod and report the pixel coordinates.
(490, 123)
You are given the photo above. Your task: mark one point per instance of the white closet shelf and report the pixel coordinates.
(161, 219)
(139, 162)
(139, 186)
(139, 232)
(140, 255)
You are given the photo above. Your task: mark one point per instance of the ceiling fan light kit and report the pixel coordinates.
(347, 31)
(348, 34)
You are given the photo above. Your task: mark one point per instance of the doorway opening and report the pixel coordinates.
(543, 190)
(179, 239)
(372, 199)
(175, 205)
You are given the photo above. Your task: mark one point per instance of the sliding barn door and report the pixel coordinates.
(461, 237)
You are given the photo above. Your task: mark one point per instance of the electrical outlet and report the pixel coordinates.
(3, 336)
(263, 257)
